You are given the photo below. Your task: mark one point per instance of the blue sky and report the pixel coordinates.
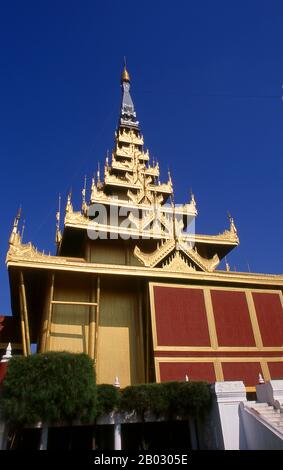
(207, 86)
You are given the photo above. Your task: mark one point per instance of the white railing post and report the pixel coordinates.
(43, 437)
(117, 424)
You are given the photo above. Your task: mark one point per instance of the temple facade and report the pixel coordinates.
(136, 288)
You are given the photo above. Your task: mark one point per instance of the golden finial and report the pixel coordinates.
(58, 213)
(125, 73)
(99, 182)
(18, 216)
(84, 205)
(58, 236)
(23, 230)
(193, 200)
(69, 207)
(227, 264)
(98, 173)
(233, 228)
(170, 179)
(93, 190)
(14, 234)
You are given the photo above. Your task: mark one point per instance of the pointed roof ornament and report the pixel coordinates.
(93, 190)
(23, 230)
(98, 173)
(193, 200)
(125, 74)
(17, 218)
(8, 355)
(58, 236)
(227, 265)
(107, 158)
(128, 114)
(233, 228)
(69, 206)
(170, 182)
(14, 234)
(84, 204)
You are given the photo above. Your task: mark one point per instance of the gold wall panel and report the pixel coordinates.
(108, 252)
(119, 351)
(69, 324)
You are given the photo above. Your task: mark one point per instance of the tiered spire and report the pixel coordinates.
(129, 174)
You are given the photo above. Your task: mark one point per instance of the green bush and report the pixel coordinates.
(59, 387)
(53, 387)
(142, 398)
(168, 398)
(108, 398)
(188, 398)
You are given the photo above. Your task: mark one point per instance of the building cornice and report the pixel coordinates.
(66, 264)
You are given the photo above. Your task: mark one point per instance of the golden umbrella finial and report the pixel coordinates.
(125, 73)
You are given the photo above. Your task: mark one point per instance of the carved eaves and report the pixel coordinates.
(191, 256)
(204, 263)
(130, 137)
(152, 259)
(25, 251)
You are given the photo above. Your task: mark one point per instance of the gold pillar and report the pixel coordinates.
(147, 352)
(24, 342)
(97, 318)
(92, 326)
(49, 318)
(25, 313)
(141, 365)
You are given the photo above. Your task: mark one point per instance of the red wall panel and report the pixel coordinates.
(232, 319)
(179, 370)
(276, 370)
(246, 371)
(180, 317)
(270, 318)
(3, 370)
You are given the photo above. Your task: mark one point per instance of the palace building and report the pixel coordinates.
(133, 286)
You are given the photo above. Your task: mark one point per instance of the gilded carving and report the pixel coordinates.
(178, 263)
(204, 263)
(152, 259)
(130, 137)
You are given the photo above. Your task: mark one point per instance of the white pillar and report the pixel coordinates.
(228, 396)
(117, 423)
(117, 435)
(43, 438)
